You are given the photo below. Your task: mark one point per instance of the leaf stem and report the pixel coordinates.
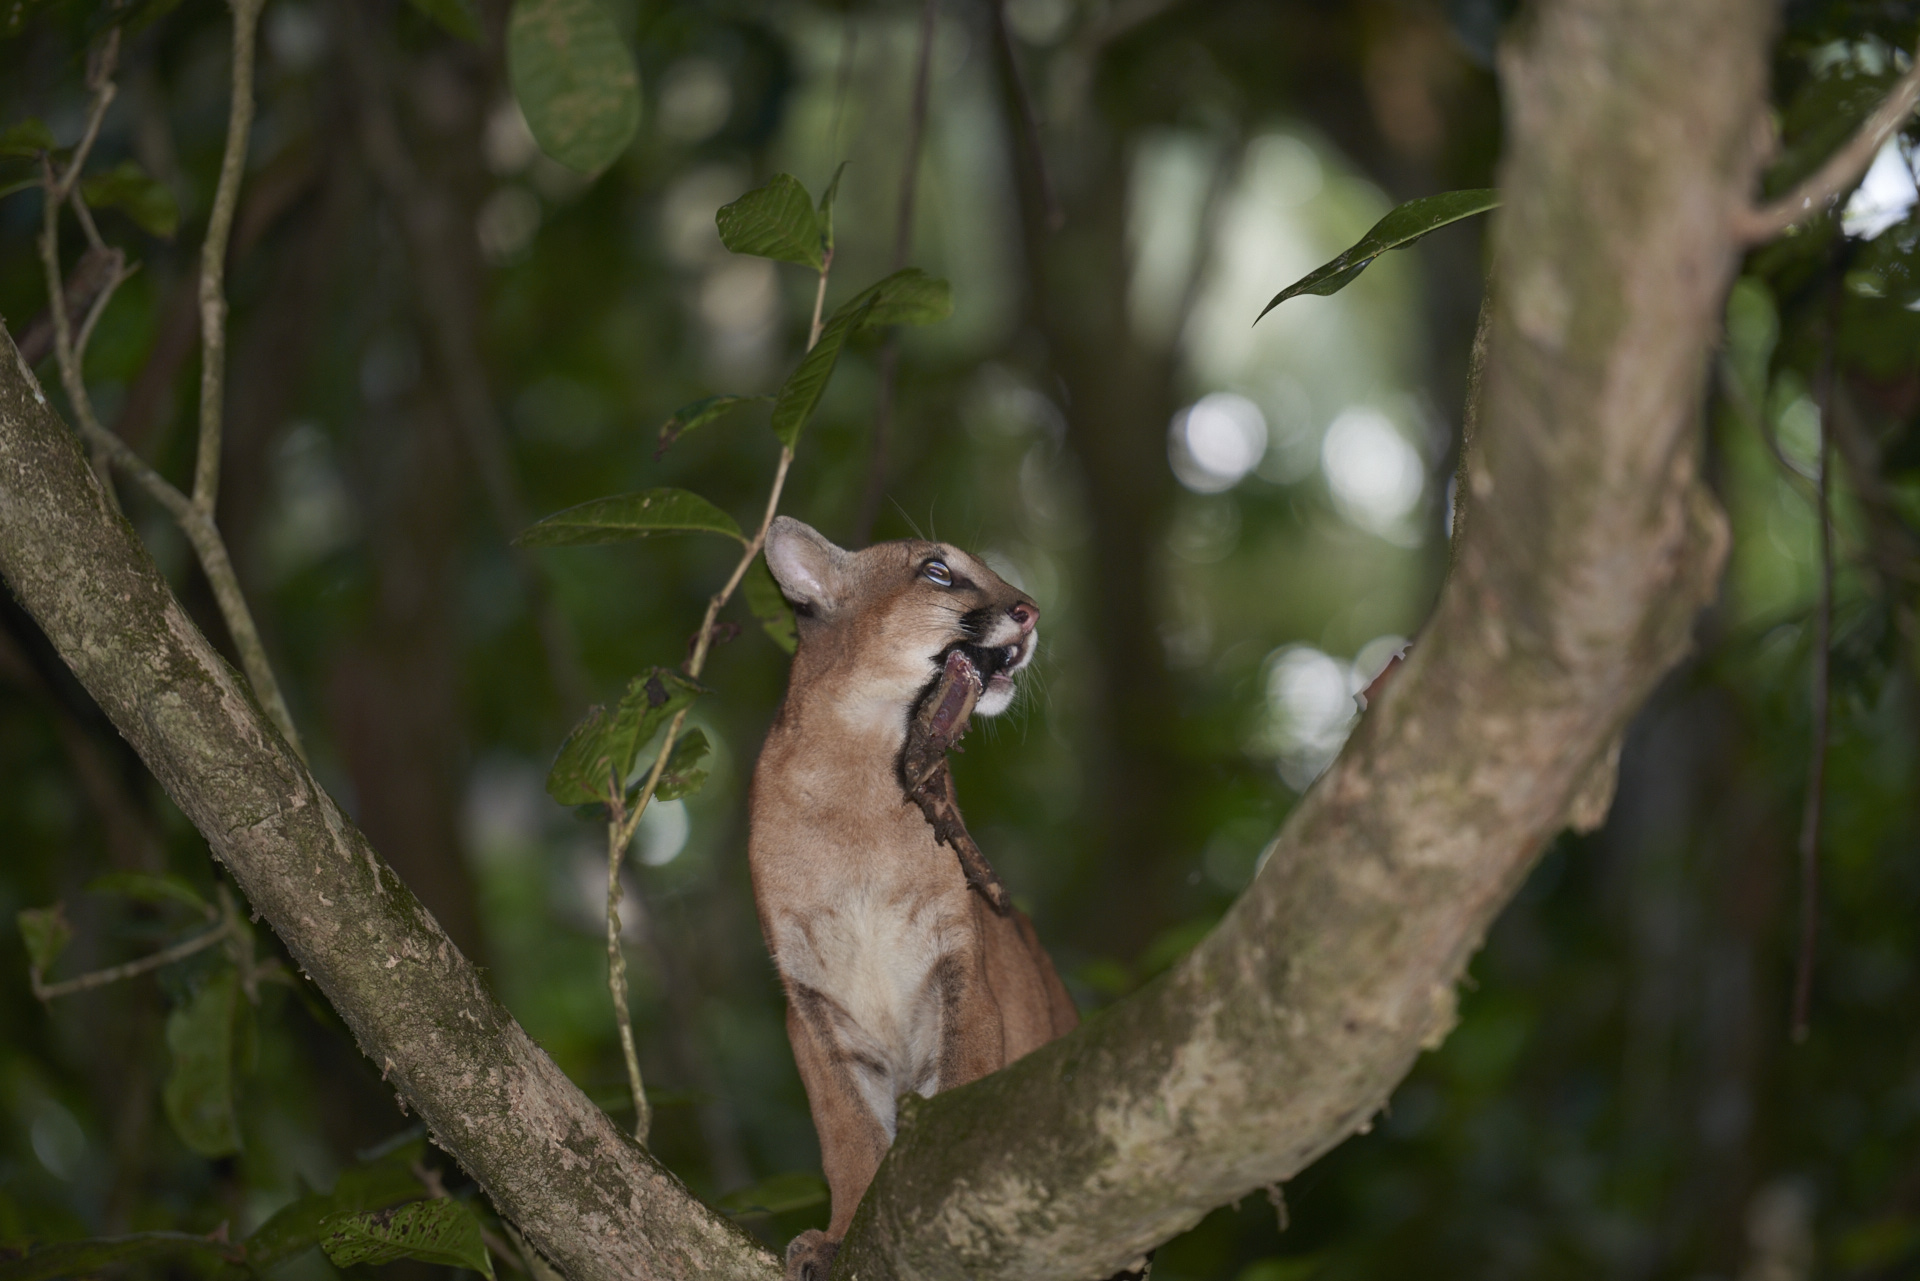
(132, 969)
(622, 824)
(213, 256)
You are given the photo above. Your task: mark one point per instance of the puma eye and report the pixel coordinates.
(937, 573)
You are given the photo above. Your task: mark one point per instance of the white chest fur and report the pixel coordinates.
(874, 955)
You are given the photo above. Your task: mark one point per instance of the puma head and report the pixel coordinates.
(879, 624)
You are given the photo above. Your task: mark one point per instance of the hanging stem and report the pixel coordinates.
(622, 823)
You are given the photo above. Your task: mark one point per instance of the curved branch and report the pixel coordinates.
(589, 1197)
(1590, 549)
(1841, 171)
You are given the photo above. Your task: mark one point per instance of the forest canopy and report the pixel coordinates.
(448, 359)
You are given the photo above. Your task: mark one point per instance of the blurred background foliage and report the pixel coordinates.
(439, 334)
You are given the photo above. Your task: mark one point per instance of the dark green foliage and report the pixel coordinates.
(574, 79)
(683, 775)
(45, 932)
(776, 221)
(626, 516)
(128, 188)
(599, 754)
(699, 414)
(442, 1231)
(204, 1036)
(1404, 226)
(1620, 1099)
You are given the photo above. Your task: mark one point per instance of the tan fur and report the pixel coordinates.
(898, 976)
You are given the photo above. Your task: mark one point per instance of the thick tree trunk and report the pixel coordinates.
(1589, 550)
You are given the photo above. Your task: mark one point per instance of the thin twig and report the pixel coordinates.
(1029, 119)
(1822, 689)
(623, 823)
(902, 247)
(618, 834)
(1841, 171)
(132, 969)
(213, 257)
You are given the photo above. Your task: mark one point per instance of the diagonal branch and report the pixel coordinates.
(584, 1193)
(1841, 171)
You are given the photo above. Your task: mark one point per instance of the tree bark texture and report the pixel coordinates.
(592, 1200)
(1592, 547)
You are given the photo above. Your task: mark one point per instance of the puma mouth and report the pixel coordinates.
(996, 666)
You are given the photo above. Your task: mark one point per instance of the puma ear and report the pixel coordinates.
(805, 564)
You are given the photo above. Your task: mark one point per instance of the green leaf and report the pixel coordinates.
(45, 932)
(199, 1092)
(794, 1190)
(598, 756)
(826, 208)
(85, 1258)
(457, 17)
(625, 516)
(149, 888)
(574, 80)
(797, 400)
(910, 297)
(1400, 228)
(766, 603)
(775, 221)
(699, 414)
(301, 1224)
(441, 1231)
(682, 777)
(128, 188)
(28, 138)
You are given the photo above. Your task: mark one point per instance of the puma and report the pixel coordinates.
(906, 969)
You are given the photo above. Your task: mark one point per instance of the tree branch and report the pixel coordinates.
(1841, 171)
(590, 1198)
(1591, 547)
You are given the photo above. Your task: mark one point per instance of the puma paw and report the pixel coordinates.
(810, 1256)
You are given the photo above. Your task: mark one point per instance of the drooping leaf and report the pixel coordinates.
(775, 221)
(456, 17)
(441, 1231)
(600, 753)
(28, 138)
(800, 395)
(199, 1091)
(300, 1224)
(574, 80)
(1400, 228)
(699, 414)
(767, 604)
(827, 198)
(128, 188)
(45, 932)
(625, 516)
(910, 297)
(794, 1190)
(149, 888)
(683, 776)
(87, 1258)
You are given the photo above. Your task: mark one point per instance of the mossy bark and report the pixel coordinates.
(1591, 549)
(593, 1200)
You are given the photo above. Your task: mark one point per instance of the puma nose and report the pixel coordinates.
(1024, 616)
